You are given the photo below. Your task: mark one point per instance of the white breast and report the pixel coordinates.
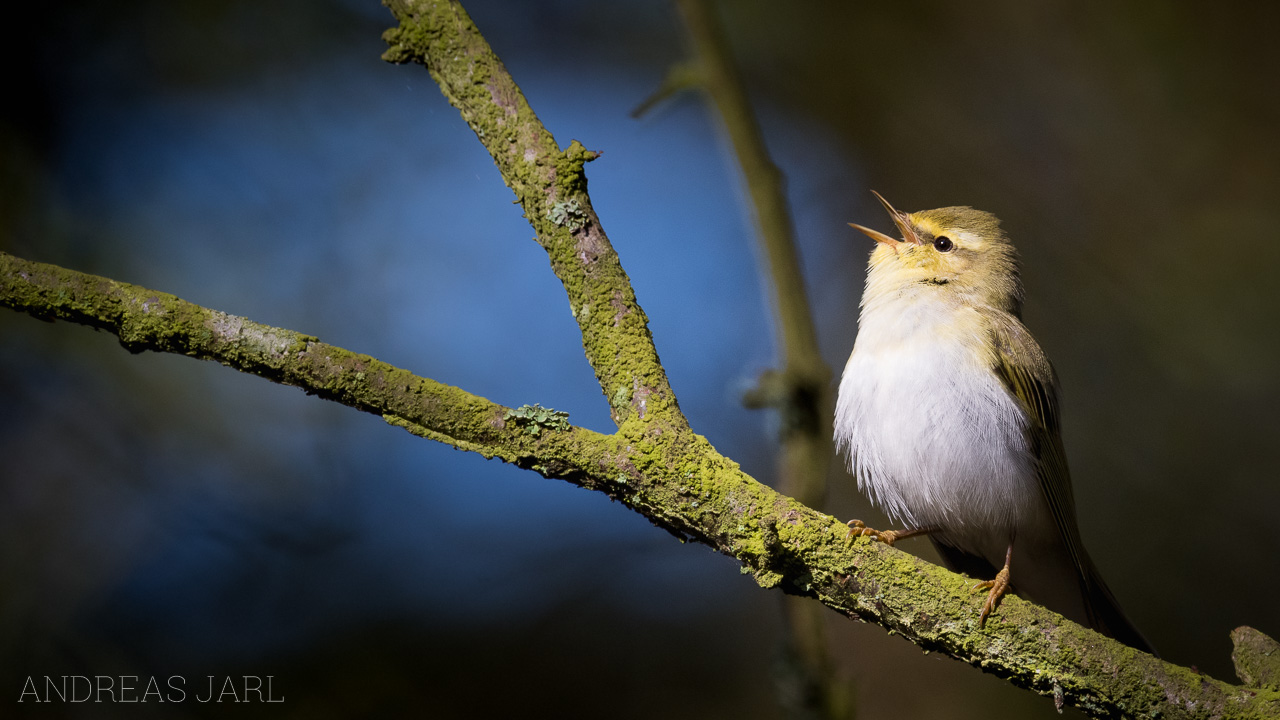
(932, 435)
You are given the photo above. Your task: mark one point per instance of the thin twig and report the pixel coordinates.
(810, 685)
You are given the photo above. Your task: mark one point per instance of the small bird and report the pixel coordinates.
(948, 412)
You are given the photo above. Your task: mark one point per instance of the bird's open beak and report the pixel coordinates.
(899, 218)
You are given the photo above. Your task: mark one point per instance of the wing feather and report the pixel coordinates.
(1028, 375)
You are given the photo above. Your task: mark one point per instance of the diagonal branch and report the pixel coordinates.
(680, 483)
(552, 189)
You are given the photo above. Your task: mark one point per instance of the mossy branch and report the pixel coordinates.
(677, 481)
(552, 188)
(660, 469)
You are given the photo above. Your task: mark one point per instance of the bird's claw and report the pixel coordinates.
(999, 586)
(857, 528)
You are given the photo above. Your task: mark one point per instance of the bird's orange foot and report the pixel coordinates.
(999, 586)
(859, 529)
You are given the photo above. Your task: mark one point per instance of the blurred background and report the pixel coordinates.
(163, 516)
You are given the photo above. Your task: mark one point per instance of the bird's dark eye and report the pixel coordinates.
(942, 243)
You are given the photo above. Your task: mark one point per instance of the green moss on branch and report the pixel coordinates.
(551, 187)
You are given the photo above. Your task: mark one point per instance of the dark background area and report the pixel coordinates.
(163, 516)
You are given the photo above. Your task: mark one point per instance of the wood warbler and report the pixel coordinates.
(948, 410)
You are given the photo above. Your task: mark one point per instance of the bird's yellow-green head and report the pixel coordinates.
(959, 251)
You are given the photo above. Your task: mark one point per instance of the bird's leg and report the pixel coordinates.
(859, 529)
(999, 586)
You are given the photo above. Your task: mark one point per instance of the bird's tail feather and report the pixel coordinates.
(1105, 614)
